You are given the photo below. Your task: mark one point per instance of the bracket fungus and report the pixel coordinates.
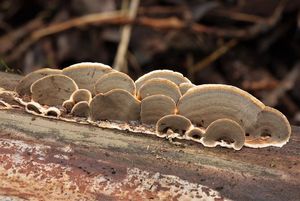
(161, 102)
(114, 80)
(272, 129)
(173, 76)
(23, 87)
(195, 134)
(206, 103)
(52, 89)
(86, 74)
(177, 124)
(155, 107)
(81, 109)
(225, 132)
(184, 87)
(117, 104)
(81, 95)
(159, 86)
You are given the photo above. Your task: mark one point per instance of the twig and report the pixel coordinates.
(117, 17)
(120, 63)
(214, 56)
(287, 83)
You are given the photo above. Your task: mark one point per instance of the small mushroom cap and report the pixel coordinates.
(272, 129)
(86, 74)
(115, 80)
(195, 133)
(68, 105)
(52, 111)
(173, 76)
(81, 109)
(177, 123)
(206, 103)
(155, 107)
(159, 86)
(117, 104)
(184, 87)
(81, 95)
(53, 89)
(224, 132)
(23, 87)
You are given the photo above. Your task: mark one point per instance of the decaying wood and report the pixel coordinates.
(44, 158)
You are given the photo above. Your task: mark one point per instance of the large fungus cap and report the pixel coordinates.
(159, 86)
(155, 107)
(116, 104)
(175, 77)
(224, 132)
(81, 109)
(271, 129)
(81, 95)
(114, 80)
(53, 89)
(176, 123)
(23, 87)
(86, 74)
(206, 103)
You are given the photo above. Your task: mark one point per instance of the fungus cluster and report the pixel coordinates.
(211, 114)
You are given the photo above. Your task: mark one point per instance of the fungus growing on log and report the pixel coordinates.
(224, 132)
(195, 134)
(115, 80)
(206, 103)
(155, 107)
(23, 88)
(175, 77)
(52, 89)
(271, 129)
(117, 104)
(81, 95)
(184, 87)
(159, 86)
(81, 109)
(175, 123)
(86, 74)
(162, 102)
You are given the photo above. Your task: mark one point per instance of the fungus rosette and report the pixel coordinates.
(211, 114)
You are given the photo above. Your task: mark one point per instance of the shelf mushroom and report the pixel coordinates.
(224, 132)
(173, 124)
(86, 74)
(114, 80)
(170, 75)
(159, 86)
(81, 109)
(52, 90)
(155, 107)
(81, 95)
(195, 134)
(271, 129)
(23, 87)
(206, 103)
(117, 104)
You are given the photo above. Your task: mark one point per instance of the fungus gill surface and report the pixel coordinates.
(161, 102)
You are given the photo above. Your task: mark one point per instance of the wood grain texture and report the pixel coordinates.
(77, 154)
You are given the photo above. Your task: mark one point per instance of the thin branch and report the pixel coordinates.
(120, 63)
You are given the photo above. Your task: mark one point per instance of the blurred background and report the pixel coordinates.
(254, 45)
